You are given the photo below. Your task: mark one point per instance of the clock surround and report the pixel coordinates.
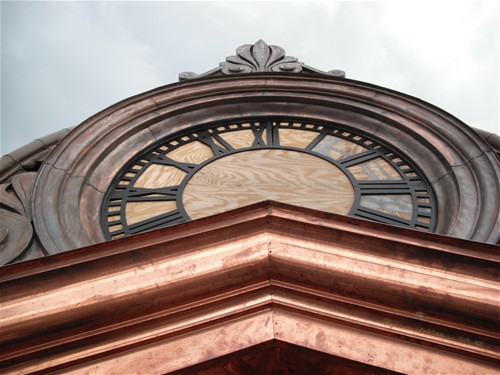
(458, 164)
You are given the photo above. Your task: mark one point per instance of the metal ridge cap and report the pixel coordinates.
(492, 139)
(251, 219)
(14, 159)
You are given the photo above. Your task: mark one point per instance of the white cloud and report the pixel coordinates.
(64, 61)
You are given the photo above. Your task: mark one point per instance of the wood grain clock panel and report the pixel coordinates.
(220, 167)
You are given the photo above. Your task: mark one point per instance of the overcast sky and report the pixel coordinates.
(61, 62)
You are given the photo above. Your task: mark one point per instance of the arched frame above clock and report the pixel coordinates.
(457, 165)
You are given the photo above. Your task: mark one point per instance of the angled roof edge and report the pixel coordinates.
(435, 243)
(265, 271)
(257, 58)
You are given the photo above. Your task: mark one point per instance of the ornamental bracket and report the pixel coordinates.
(258, 58)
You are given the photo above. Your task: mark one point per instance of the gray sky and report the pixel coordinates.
(61, 62)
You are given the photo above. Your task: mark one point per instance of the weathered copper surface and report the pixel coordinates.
(16, 219)
(460, 165)
(463, 169)
(164, 300)
(30, 156)
(492, 139)
(15, 235)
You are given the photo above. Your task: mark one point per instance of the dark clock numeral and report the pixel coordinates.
(258, 131)
(169, 218)
(359, 158)
(405, 197)
(271, 138)
(315, 141)
(273, 135)
(147, 195)
(383, 187)
(164, 160)
(209, 139)
(383, 217)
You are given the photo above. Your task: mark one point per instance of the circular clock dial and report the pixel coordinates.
(220, 167)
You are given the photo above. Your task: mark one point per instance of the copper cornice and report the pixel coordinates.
(164, 300)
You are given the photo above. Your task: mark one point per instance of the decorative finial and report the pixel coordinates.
(260, 57)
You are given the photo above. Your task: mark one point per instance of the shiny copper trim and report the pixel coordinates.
(168, 299)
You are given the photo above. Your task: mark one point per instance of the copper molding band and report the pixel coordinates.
(164, 300)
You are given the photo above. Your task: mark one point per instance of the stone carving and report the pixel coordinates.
(260, 57)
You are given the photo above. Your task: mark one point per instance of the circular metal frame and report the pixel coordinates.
(459, 166)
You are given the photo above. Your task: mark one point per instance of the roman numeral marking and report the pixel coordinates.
(383, 217)
(272, 135)
(359, 158)
(147, 195)
(258, 131)
(383, 187)
(164, 160)
(167, 219)
(315, 141)
(208, 139)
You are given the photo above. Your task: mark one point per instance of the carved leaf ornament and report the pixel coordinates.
(260, 57)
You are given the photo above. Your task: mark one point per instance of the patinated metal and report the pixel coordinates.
(461, 168)
(18, 173)
(65, 202)
(29, 157)
(16, 234)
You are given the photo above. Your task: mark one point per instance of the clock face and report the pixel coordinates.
(225, 166)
